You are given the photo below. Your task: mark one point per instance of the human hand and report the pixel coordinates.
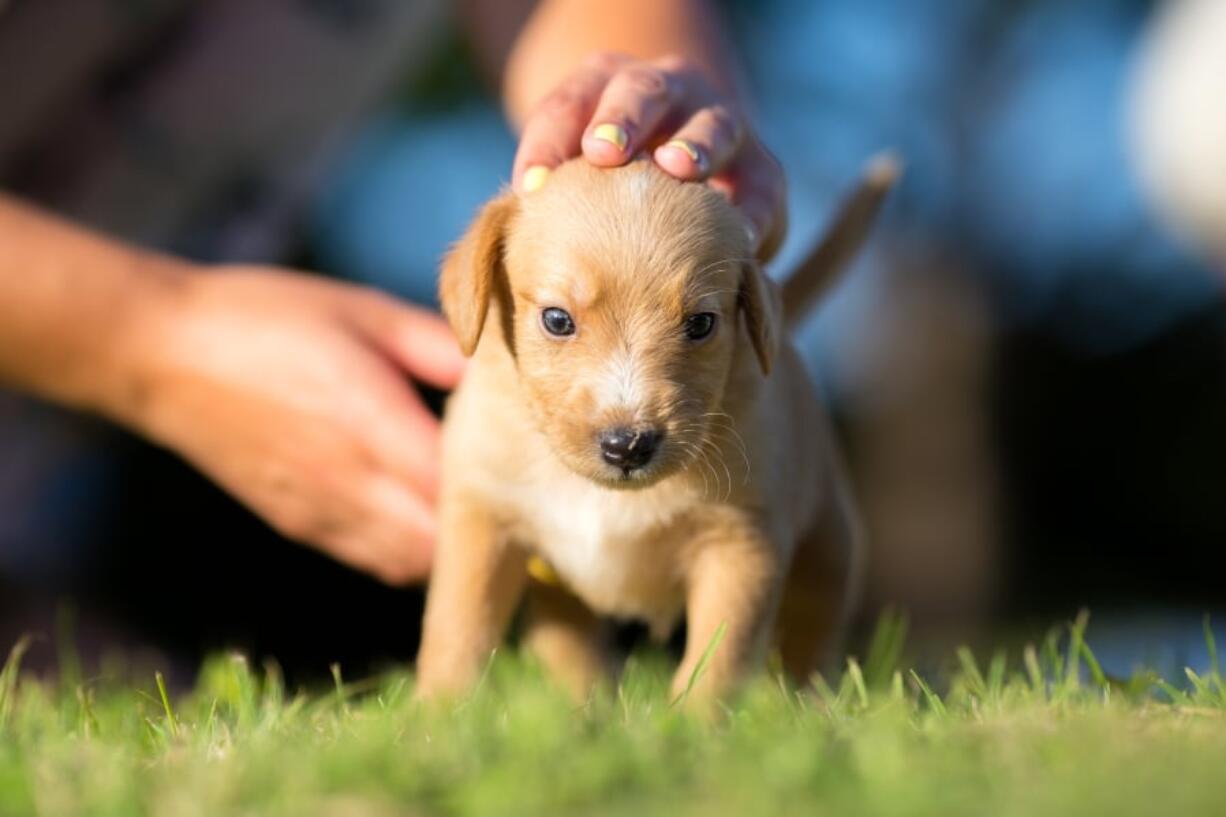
(614, 106)
(292, 393)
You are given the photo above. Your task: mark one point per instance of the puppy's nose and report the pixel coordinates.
(627, 447)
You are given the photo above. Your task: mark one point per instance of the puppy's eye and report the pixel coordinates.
(557, 322)
(699, 325)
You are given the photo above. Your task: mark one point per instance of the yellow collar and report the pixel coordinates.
(543, 572)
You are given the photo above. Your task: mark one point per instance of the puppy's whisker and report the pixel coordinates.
(714, 474)
(727, 473)
(721, 434)
(692, 458)
(722, 422)
(708, 443)
(704, 465)
(704, 460)
(707, 446)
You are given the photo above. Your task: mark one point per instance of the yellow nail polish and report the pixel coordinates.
(688, 148)
(613, 134)
(535, 178)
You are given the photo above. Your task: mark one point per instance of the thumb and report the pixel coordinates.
(415, 338)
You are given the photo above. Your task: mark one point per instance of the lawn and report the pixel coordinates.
(1039, 733)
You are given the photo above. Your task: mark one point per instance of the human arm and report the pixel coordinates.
(291, 392)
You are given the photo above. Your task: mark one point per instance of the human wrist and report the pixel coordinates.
(137, 339)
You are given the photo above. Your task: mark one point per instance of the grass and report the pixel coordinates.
(1044, 732)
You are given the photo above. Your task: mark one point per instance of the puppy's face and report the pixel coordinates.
(620, 294)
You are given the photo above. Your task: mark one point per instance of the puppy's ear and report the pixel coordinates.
(471, 269)
(759, 300)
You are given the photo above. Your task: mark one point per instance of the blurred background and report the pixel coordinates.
(1028, 366)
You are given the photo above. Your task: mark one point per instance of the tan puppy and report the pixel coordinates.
(635, 424)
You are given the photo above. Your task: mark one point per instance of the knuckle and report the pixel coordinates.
(724, 125)
(604, 61)
(675, 63)
(649, 84)
(566, 101)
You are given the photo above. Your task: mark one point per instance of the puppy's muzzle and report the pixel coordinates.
(628, 448)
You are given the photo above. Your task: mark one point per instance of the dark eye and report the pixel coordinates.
(557, 322)
(700, 325)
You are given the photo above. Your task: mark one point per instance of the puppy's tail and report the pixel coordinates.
(809, 279)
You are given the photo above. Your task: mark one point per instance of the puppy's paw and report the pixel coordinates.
(439, 680)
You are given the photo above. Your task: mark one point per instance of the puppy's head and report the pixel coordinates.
(626, 298)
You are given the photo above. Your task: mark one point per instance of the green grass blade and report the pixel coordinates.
(1211, 647)
(931, 698)
(1052, 657)
(1077, 631)
(88, 721)
(1096, 671)
(857, 682)
(1034, 671)
(1178, 696)
(834, 705)
(897, 692)
(171, 721)
(8, 679)
(701, 666)
(885, 649)
(970, 672)
(338, 684)
(996, 674)
(67, 654)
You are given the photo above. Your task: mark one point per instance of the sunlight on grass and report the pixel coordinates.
(1043, 732)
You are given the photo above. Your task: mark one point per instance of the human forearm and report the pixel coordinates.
(560, 34)
(74, 310)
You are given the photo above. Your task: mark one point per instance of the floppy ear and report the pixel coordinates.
(471, 269)
(760, 303)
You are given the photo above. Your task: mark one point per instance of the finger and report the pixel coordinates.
(404, 440)
(427, 348)
(636, 101)
(553, 132)
(755, 184)
(397, 543)
(703, 146)
(416, 339)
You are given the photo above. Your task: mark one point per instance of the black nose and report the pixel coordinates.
(628, 448)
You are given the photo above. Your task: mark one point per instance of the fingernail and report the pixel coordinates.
(613, 134)
(535, 178)
(689, 149)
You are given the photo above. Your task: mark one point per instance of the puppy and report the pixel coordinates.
(635, 437)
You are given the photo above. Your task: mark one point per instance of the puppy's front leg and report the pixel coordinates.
(477, 582)
(567, 638)
(734, 584)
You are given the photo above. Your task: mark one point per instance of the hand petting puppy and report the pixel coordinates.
(615, 107)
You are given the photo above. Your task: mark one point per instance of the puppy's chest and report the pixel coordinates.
(619, 551)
